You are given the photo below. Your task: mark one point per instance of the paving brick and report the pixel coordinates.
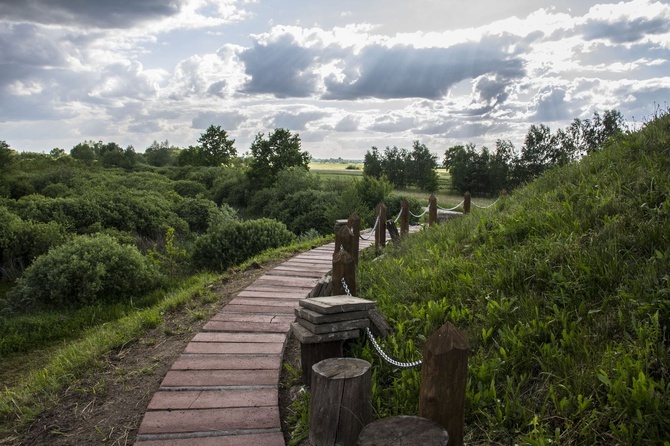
(257, 309)
(294, 272)
(175, 421)
(238, 337)
(226, 362)
(282, 288)
(264, 301)
(272, 294)
(212, 378)
(251, 348)
(271, 439)
(213, 399)
(300, 281)
(256, 327)
(249, 317)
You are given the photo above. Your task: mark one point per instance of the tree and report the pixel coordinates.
(393, 166)
(421, 168)
(215, 148)
(86, 151)
(6, 155)
(372, 164)
(160, 154)
(270, 156)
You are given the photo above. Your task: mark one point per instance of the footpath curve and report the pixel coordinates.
(223, 389)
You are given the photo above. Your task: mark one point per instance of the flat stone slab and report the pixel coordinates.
(233, 439)
(238, 337)
(212, 399)
(333, 327)
(260, 327)
(307, 337)
(337, 304)
(226, 362)
(177, 421)
(274, 348)
(214, 378)
(318, 318)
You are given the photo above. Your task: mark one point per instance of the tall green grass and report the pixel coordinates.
(563, 291)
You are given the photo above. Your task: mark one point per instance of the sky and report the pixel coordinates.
(345, 75)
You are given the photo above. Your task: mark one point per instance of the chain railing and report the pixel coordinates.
(451, 209)
(387, 358)
(484, 207)
(372, 232)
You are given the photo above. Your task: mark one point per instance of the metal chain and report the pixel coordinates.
(485, 207)
(387, 358)
(372, 232)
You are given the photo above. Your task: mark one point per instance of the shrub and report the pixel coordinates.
(86, 270)
(189, 188)
(200, 213)
(232, 243)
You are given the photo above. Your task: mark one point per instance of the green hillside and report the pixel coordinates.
(562, 289)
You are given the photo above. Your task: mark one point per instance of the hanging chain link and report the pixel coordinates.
(387, 358)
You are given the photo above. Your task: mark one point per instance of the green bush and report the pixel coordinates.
(233, 242)
(189, 188)
(86, 270)
(201, 213)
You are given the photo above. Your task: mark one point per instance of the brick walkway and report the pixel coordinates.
(223, 390)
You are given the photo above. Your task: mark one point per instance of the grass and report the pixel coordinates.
(563, 290)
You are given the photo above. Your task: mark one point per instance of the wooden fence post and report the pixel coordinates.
(345, 239)
(432, 210)
(354, 223)
(380, 233)
(340, 405)
(466, 203)
(404, 217)
(443, 378)
(344, 267)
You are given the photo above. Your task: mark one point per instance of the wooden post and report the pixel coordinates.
(354, 223)
(404, 217)
(403, 430)
(443, 378)
(340, 403)
(466, 203)
(392, 230)
(343, 267)
(345, 239)
(380, 233)
(432, 210)
(310, 354)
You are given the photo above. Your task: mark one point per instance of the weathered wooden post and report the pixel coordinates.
(344, 267)
(466, 203)
(403, 430)
(354, 223)
(345, 239)
(380, 233)
(432, 210)
(340, 403)
(404, 217)
(443, 378)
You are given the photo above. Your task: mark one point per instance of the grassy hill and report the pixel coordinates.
(563, 290)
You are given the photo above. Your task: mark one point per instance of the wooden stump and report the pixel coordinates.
(354, 223)
(405, 431)
(393, 231)
(404, 217)
(466, 203)
(380, 232)
(444, 375)
(340, 404)
(311, 354)
(432, 210)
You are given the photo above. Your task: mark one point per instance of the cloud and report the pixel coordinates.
(392, 123)
(347, 124)
(295, 121)
(227, 120)
(280, 67)
(625, 30)
(102, 14)
(408, 72)
(550, 105)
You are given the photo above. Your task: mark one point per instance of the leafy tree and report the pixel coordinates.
(215, 148)
(394, 164)
(372, 163)
(86, 151)
(161, 154)
(421, 168)
(270, 156)
(57, 153)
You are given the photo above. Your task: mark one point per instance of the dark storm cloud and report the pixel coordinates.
(227, 120)
(625, 30)
(280, 68)
(408, 72)
(98, 13)
(295, 121)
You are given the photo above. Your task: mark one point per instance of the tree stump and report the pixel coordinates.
(432, 210)
(444, 375)
(340, 404)
(405, 431)
(311, 354)
(393, 231)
